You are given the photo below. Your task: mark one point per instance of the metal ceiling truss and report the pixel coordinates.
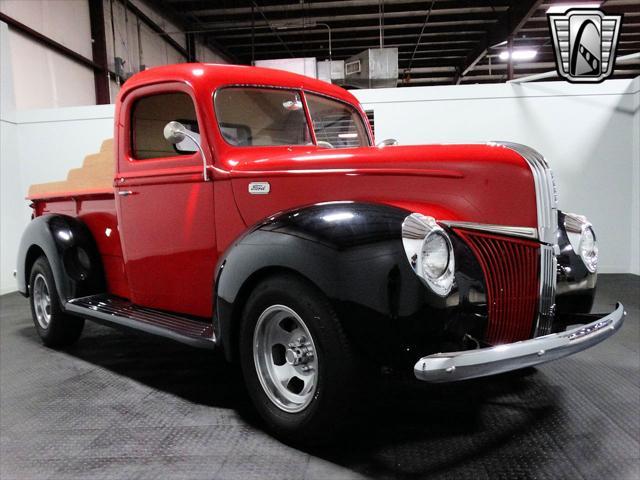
(438, 41)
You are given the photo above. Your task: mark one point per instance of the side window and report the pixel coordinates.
(336, 124)
(148, 119)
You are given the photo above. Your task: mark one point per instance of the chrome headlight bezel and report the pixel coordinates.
(590, 256)
(578, 228)
(417, 229)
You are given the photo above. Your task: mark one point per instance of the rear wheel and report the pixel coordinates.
(298, 365)
(56, 329)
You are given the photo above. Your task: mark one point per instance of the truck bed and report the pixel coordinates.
(94, 176)
(87, 193)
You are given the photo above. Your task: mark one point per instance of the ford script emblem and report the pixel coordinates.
(259, 188)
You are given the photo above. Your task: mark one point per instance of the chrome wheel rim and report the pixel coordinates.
(42, 301)
(285, 358)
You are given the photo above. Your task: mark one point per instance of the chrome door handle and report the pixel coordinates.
(125, 193)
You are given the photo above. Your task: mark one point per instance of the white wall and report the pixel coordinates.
(37, 146)
(42, 146)
(588, 133)
(52, 19)
(44, 79)
(9, 170)
(41, 77)
(635, 179)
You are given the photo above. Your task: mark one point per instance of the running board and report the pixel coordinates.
(114, 310)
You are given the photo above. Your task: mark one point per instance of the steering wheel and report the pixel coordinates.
(323, 144)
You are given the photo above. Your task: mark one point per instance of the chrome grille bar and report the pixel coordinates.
(546, 199)
(546, 308)
(547, 213)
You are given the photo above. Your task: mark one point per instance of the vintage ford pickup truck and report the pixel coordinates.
(249, 210)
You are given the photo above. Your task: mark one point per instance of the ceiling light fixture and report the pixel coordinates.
(519, 55)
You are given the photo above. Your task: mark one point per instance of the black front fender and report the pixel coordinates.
(71, 251)
(352, 252)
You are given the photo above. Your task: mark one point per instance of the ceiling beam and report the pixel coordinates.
(367, 42)
(300, 7)
(436, 57)
(221, 12)
(448, 13)
(50, 43)
(99, 52)
(301, 50)
(434, 27)
(517, 66)
(323, 34)
(507, 27)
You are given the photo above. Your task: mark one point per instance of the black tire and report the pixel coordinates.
(337, 381)
(61, 329)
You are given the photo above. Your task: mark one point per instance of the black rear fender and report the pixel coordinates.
(71, 251)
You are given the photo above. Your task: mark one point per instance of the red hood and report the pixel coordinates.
(482, 183)
(413, 157)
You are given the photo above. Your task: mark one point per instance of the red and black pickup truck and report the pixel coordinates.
(249, 210)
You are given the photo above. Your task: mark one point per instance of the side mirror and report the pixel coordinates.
(175, 132)
(389, 142)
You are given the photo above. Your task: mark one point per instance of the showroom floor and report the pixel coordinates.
(119, 405)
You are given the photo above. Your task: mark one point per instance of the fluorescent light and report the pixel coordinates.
(519, 54)
(287, 25)
(563, 7)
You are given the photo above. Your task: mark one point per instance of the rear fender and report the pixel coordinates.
(71, 251)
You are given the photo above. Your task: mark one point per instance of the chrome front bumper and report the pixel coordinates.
(454, 366)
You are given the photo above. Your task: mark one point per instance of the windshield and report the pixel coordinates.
(261, 116)
(249, 116)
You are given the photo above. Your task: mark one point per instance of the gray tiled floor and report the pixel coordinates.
(119, 405)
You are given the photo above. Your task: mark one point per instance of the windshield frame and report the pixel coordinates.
(309, 123)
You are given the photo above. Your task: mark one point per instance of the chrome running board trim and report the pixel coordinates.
(113, 310)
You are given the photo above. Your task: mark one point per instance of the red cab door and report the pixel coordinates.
(165, 206)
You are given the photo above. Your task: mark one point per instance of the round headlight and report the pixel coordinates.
(435, 255)
(589, 249)
(430, 252)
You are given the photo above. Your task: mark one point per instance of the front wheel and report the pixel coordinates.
(55, 328)
(298, 365)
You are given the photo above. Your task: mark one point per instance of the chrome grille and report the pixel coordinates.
(547, 213)
(510, 267)
(546, 307)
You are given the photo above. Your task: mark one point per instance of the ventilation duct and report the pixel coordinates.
(331, 71)
(373, 68)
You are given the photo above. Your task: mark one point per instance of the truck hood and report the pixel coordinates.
(485, 183)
